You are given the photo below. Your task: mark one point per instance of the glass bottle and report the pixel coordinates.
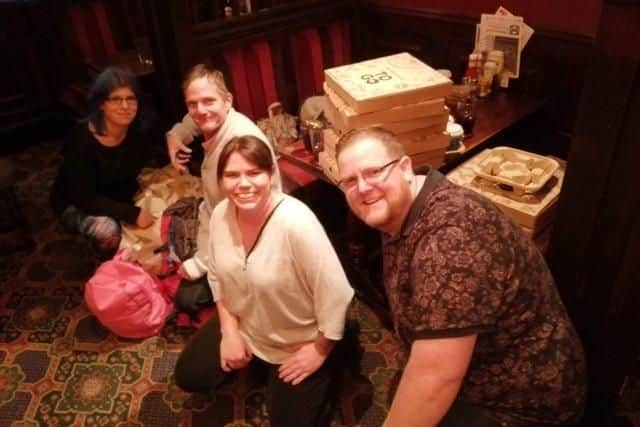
(228, 9)
(466, 115)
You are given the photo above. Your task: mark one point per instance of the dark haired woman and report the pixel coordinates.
(280, 290)
(102, 158)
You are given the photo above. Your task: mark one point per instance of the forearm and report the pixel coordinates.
(104, 206)
(185, 130)
(323, 344)
(228, 321)
(421, 400)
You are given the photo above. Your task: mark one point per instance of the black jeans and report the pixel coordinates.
(306, 404)
(464, 415)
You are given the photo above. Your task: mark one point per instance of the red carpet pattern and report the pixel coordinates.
(60, 367)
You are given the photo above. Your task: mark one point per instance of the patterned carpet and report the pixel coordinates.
(60, 367)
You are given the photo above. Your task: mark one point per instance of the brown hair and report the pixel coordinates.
(385, 137)
(213, 75)
(251, 148)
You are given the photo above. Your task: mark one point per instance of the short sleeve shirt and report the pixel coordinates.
(460, 267)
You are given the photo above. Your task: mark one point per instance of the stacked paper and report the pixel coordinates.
(505, 32)
(397, 92)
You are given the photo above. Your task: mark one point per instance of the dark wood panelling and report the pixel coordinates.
(189, 44)
(552, 62)
(595, 244)
(573, 16)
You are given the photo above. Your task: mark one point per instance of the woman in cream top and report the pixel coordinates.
(280, 291)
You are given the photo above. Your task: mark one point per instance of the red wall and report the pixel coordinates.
(572, 16)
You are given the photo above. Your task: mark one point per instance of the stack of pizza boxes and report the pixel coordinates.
(397, 92)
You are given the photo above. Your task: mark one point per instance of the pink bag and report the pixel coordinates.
(127, 300)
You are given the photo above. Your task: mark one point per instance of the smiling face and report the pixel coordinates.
(120, 107)
(246, 185)
(207, 105)
(381, 195)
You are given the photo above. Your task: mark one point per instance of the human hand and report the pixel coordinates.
(234, 353)
(304, 361)
(179, 153)
(181, 272)
(145, 219)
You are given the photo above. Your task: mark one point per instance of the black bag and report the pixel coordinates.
(192, 296)
(183, 228)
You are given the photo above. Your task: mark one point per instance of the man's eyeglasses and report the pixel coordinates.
(371, 176)
(119, 100)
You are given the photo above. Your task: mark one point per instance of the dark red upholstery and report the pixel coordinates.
(253, 78)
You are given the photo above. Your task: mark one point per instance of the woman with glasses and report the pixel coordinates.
(102, 158)
(280, 291)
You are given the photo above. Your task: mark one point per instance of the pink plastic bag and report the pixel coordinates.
(127, 300)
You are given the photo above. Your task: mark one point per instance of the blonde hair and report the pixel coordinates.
(385, 137)
(213, 75)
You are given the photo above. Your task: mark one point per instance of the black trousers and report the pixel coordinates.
(306, 404)
(462, 414)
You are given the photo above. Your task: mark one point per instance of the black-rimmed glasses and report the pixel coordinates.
(371, 176)
(121, 100)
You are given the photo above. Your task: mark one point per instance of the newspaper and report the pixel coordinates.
(506, 32)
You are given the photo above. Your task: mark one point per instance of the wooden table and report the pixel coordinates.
(495, 115)
(357, 244)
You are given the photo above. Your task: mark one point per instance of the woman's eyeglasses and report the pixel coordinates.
(371, 176)
(123, 100)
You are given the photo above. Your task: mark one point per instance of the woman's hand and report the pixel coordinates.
(234, 353)
(305, 360)
(179, 153)
(145, 219)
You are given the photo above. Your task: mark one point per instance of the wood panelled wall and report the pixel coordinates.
(595, 246)
(570, 16)
(553, 63)
(211, 42)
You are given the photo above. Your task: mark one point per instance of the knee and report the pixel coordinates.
(183, 375)
(181, 299)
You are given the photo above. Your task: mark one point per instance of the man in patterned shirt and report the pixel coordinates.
(489, 340)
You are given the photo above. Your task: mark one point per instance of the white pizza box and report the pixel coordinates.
(433, 158)
(533, 211)
(414, 142)
(385, 82)
(423, 140)
(330, 139)
(343, 118)
(329, 165)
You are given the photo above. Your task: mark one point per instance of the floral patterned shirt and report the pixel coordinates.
(460, 266)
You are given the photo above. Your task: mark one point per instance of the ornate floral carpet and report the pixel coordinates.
(60, 367)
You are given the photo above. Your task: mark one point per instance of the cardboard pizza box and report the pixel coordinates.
(433, 158)
(344, 118)
(423, 140)
(532, 211)
(385, 82)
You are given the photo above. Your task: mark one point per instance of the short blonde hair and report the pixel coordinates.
(213, 75)
(385, 137)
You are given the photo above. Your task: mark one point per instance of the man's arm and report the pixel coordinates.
(430, 381)
(178, 137)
